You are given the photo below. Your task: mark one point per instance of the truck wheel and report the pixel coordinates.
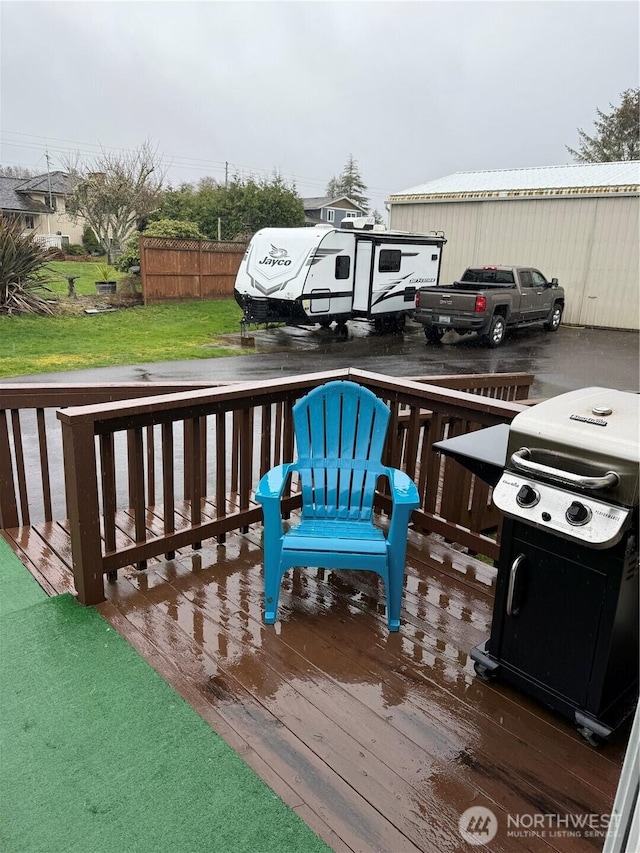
(433, 335)
(497, 331)
(554, 321)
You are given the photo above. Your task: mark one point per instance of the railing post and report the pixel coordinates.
(81, 483)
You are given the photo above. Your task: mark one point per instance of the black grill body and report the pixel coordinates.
(565, 622)
(569, 635)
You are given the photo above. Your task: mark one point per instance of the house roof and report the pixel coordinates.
(316, 202)
(574, 179)
(14, 200)
(61, 183)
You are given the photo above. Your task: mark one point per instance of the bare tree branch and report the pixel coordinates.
(115, 190)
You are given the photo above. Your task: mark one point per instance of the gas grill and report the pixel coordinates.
(565, 619)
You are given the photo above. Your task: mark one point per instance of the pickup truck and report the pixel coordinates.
(489, 300)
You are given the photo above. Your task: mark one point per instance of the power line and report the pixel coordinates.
(169, 161)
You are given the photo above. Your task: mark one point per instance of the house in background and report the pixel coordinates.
(40, 205)
(331, 211)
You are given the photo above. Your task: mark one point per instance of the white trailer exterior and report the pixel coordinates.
(303, 276)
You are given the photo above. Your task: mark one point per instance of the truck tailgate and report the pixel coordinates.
(447, 302)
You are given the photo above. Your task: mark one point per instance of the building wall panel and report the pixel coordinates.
(589, 244)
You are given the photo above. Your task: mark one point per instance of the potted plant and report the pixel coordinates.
(107, 282)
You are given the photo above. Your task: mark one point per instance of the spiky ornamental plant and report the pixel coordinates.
(23, 272)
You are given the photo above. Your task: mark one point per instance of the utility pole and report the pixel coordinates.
(48, 159)
(226, 173)
(46, 154)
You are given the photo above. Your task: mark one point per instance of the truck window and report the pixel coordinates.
(538, 278)
(389, 260)
(525, 278)
(343, 266)
(488, 276)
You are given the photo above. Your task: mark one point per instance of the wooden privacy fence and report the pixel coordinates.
(178, 468)
(175, 268)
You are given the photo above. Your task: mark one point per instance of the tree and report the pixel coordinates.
(240, 207)
(349, 184)
(16, 172)
(618, 133)
(114, 192)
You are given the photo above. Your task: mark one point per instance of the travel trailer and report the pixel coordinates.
(322, 274)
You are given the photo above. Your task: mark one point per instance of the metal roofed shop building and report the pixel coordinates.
(578, 223)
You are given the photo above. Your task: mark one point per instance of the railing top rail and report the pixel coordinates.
(435, 395)
(43, 395)
(197, 402)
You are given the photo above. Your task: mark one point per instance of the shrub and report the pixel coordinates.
(23, 271)
(90, 242)
(75, 249)
(162, 228)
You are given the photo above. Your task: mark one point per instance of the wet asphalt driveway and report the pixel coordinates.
(562, 361)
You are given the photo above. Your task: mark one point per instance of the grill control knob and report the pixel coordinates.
(527, 496)
(578, 513)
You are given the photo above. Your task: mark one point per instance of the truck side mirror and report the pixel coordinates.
(554, 282)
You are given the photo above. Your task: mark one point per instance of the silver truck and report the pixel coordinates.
(488, 301)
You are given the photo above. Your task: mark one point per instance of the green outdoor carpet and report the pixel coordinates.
(17, 588)
(100, 755)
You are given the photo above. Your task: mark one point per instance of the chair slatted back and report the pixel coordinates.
(340, 430)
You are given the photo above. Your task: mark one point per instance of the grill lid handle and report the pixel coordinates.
(520, 460)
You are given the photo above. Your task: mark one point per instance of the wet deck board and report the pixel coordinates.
(379, 741)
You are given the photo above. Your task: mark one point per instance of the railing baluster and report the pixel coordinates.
(196, 478)
(151, 467)
(108, 480)
(221, 469)
(44, 465)
(20, 468)
(168, 484)
(136, 487)
(246, 459)
(8, 505)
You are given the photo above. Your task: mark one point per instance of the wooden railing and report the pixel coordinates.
(132, 454)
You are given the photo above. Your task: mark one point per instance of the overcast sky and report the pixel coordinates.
(414, 90)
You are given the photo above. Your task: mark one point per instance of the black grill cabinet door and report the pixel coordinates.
(556, 606)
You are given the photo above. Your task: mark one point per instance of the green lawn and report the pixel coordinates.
(87, 270)
(171, 332)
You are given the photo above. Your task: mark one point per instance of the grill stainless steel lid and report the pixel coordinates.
(573, 466)
(585, 434)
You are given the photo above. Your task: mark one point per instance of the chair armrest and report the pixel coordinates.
(403, 489)
(272, 484)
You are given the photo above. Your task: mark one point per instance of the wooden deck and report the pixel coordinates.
(378, 741)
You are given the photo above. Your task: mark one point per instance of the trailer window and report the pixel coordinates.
(389, 260)
(343, 266)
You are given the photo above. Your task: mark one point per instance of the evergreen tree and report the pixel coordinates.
(618, 133)
(349, 184)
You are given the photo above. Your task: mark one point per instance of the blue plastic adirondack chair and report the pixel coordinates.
(340, 430)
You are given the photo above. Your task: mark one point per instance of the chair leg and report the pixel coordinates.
(272, 581)
(395, 585)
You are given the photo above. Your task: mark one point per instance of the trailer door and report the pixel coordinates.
(362, 277)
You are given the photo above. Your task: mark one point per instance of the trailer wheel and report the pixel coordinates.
(497, 331)
(325, 322)
(554, 320)
(433, 335)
